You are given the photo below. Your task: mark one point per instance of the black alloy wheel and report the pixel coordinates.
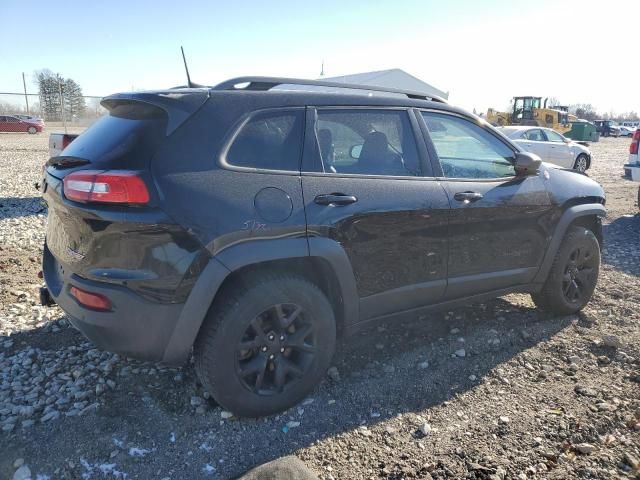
(578, 274)
(266, 343)
(276, 349)
(573, 276)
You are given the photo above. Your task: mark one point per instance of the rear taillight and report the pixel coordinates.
(66, 140)
(91, 300)
(633, 148)
(106, 186)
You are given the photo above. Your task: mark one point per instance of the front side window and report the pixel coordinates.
(466, 150)
(553, 136)
(269, 140)
(367, 142)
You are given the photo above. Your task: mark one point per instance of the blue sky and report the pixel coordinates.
(483, 52)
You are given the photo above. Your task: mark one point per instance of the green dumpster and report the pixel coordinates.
(583, 131)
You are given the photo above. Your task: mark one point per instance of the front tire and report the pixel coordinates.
(265, 344)
(582, 163)
(32, 130)
(573, 275)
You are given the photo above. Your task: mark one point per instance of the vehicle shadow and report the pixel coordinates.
(14, 207)
(389, 369)
(620, 238)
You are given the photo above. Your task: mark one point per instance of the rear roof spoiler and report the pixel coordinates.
(178, 104)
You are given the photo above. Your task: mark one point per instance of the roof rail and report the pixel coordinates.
(267, 83)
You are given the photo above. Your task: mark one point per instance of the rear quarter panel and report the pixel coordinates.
(216, 204)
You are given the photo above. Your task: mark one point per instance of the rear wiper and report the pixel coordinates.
(66, 162)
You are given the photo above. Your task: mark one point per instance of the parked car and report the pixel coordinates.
(59, 141)
(626, 131)
(551, 146)
(9, 123)
(252, 226)
(632, 168)
(29, 118)
(607, 128)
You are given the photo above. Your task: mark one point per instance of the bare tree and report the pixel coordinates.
(584, 110)
(552, 102)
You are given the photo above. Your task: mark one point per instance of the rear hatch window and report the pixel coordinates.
(126, 138)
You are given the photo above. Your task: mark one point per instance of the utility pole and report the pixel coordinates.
(64, 122)
(26, 98)
(322, 69)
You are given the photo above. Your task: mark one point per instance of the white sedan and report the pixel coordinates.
(626, 131)
(550, 146)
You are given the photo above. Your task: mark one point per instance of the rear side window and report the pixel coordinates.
(270, 141)
(534, 135)
(367, 142)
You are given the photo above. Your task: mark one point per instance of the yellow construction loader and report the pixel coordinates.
(532, 111)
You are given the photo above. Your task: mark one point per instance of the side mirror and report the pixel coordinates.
(355, 151)
(527, 163)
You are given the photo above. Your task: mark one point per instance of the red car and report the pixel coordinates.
(10, 123)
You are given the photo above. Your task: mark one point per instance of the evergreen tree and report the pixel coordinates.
(50, 87)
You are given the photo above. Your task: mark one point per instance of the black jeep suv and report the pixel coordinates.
(253, 222)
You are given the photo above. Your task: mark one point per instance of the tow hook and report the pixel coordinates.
(45, 297)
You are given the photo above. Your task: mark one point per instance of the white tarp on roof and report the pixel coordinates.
(394, 78)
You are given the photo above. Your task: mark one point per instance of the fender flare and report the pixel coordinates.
(569, 215)
(249, 253)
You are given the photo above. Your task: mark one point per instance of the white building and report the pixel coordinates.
(394, 78)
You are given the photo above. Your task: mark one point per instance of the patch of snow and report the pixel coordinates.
(138, 452)
(206, 447)
(106, 469)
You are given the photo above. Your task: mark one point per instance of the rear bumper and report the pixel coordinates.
(632, 171)
(135, 327)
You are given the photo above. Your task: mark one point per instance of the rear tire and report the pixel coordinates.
(582, 163)
(573, 275)
(265, 344)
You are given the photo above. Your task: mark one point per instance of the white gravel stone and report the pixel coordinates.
(425, 429)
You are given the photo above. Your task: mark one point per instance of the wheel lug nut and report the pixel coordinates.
(264, 349)
(271, 357)
(282, 350)
(281, 338)
(271, 337)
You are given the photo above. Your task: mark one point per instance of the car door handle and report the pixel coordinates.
(468, 197)
(337, 199)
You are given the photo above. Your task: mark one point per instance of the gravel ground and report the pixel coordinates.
(496, 390)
